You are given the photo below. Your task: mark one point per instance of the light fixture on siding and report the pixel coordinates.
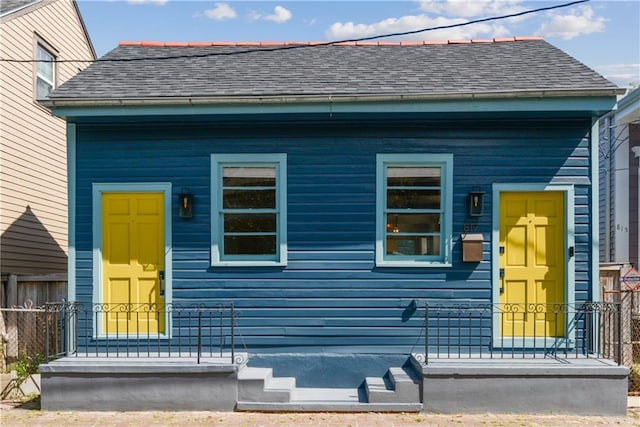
(476, 203)
(185, 199)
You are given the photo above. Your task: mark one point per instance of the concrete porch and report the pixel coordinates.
(585, 386)
(581, 386)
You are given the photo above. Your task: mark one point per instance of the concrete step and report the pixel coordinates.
(258, 385)
(258, 390)
(328, 399)
(397, 386)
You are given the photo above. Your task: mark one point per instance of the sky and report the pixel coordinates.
(603, 34)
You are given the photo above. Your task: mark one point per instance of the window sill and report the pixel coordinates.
(414, 264)
(248, 264)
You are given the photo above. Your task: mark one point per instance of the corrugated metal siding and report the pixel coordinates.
(33, 185)
(331, 294)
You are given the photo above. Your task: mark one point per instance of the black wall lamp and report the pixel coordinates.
(185, 199)
(476, 203)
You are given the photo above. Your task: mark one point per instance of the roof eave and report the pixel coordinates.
(585, 103)
(339, 98)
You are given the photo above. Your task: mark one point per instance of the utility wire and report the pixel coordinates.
(300, 46)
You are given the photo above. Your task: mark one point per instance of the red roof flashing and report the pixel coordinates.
(359, 43)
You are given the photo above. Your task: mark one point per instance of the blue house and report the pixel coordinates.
(337, 195)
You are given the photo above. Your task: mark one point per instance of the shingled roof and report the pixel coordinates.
(227, 70)
(9, 6)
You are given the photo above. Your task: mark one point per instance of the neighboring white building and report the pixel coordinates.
(33, 161)
(619, 166)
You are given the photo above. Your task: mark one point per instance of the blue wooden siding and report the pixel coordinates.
(330, 296)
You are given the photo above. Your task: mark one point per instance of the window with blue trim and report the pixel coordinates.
(249, 209)
(414, 209)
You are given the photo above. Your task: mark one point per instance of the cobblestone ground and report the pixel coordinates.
(29, 414)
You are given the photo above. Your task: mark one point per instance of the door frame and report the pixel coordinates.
(569, 273)
(130, 187)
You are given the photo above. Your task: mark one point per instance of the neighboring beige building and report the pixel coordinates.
(33, 163)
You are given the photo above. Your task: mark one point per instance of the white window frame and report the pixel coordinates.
(41, 46)
(218, 161)
(443, 161)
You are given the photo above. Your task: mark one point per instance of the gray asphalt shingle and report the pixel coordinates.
(7, 6)
(384, 69)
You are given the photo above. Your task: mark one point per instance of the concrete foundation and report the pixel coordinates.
(581, 386)
(138, 385)
(543, 385)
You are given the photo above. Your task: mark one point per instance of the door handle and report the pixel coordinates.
(161, 282)
(501, 281)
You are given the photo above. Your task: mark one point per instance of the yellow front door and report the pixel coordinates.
(132, 262)
(532, 263)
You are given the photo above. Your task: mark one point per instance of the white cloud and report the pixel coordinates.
(158, 2)
(472, 8)
(279, 15)
(621, 74)
(579, 21)
(220, 12)
(350, 30)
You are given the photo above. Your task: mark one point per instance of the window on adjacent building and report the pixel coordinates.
(249, 209)
(414, 209)
(45, 71)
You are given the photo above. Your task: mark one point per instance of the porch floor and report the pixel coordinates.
(537, 360)
(103, 363)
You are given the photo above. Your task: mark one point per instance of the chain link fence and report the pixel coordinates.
(23, 334)
(620, 283)
(629, 300)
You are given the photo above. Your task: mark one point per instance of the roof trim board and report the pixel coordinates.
(323, 43)
(595, 105)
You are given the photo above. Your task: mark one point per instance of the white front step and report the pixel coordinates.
(258, 385)
(258, 390)
(343, 395)
(396, 387)
(328, 400)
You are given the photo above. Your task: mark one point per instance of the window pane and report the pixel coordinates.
(413, 199)
(42, 89)
(246, 223)
(413, 245)
(413, 176)
(250, 245)
(45, 68)
(249, 199)
(413, 223)
(249, 177)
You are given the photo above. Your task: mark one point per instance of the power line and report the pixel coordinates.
(300, 46)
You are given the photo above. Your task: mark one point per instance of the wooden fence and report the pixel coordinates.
(33, 291)
(22, 299)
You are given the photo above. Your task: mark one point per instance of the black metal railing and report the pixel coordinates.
(472, 331)
(141, 331)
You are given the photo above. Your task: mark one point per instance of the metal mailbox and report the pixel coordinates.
(472, 247)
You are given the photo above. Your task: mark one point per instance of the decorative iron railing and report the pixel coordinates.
(141, 331)
(560, 331)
